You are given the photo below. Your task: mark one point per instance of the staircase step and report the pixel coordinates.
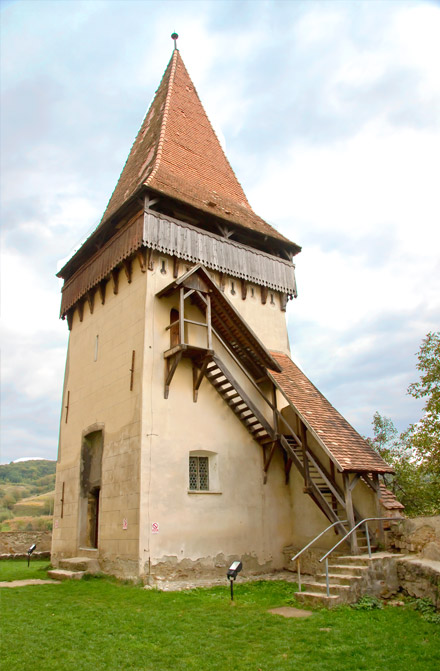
(85, 564)
(318, 599)
(346, 569)
(63, 574)
(321, 587)
(338, 578)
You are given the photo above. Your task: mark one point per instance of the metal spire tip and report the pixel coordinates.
(174, 37)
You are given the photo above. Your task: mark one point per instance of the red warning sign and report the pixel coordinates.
(155, 527)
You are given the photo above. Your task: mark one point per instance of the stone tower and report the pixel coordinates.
(188, 436)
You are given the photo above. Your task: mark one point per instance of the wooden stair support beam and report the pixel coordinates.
(170, 369)
(198, 375)
(350, 512)
(303, 432)
(268, 460)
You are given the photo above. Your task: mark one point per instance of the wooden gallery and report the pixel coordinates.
(188, 436)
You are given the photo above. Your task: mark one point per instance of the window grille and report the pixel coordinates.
(199, 473)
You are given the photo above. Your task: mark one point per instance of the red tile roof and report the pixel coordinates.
(177, 153)
(389, 500)
(348, 449)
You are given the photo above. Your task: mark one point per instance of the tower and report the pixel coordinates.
(188, 437)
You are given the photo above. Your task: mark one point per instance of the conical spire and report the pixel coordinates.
(177, 154)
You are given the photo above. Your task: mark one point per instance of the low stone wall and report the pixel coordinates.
(420, 578)
(419, 535)
(18, 542)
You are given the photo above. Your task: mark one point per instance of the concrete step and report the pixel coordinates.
(85, 564)
(318, 599)
(62, 574)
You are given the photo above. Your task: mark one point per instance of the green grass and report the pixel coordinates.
(101, 624)
(17, 569)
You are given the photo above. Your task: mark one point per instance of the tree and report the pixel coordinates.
(415, 454)
(425, 435)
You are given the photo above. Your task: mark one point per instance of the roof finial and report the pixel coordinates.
(174, 37)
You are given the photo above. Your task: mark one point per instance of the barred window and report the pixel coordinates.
(199, 473)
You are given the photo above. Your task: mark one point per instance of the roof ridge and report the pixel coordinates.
(164, 118)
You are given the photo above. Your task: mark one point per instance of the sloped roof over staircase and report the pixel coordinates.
(339, 439)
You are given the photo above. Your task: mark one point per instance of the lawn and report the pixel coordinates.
(100, 623)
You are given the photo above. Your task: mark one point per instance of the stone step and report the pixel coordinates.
(85, 564)
(318, 599)
(320, 588)
(338, 578)
(62, 574)
(348, 569)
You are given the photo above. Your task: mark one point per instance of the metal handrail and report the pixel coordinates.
(364, 521)
(306, 547)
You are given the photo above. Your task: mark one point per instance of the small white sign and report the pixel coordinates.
(125, 523)
(155, 527)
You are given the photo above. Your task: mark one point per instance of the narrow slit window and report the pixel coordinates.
(96, 348)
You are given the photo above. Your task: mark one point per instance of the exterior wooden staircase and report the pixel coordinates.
(319, 483)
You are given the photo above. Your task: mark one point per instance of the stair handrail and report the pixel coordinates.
(364, 521)
(254, 384)
(306, 547)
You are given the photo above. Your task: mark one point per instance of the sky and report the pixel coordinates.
(330, 116)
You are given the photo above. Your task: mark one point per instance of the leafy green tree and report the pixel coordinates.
(425, 434)
(415, 454)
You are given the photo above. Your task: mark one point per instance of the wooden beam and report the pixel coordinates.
(69, 317)
(198, 377)
(175, 267)
(62, 501)
(150, 260)
(133, 354)
(67, 405)
(350, 512)
(209, 321)
(141, 255)
(222, 279)
(243, 289)
(115, 278)
(181, 315)
(269, 459)
(378, 507)
(90, 295)
(303, 432)
(355, 480)
(170, 369)
(128, 267)
(81, 310)
(264, 295)
(102, 287)
(283, 302)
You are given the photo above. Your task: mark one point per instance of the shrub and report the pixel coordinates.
(368, 602)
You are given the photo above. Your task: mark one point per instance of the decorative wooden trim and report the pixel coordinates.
(264, 295)
(69, 317)
(141, 255)
(132, 369)
(102, 287)
(150, 259)
(115, 278)
(128, 268)
(90, 296)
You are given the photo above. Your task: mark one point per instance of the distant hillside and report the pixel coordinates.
(26, 492)
(37, 476)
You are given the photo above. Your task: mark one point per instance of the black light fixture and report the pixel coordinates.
(30, 551)
(234, 568)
